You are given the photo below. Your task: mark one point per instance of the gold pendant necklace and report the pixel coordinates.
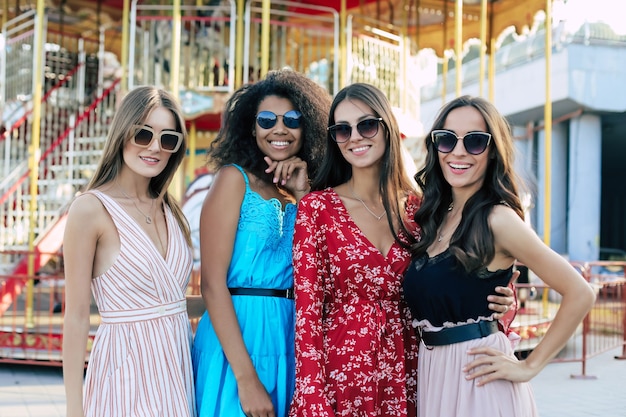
(365, 205)
(450, 207)
(146, 217)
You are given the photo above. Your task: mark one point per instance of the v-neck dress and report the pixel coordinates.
(261, 258)
(356, 351)
(140, 362)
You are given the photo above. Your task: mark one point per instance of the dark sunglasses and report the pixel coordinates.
(475, 142)
(169, 140)
(342, 132)
(267, 119)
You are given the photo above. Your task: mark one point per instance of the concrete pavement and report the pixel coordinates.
(37, 391)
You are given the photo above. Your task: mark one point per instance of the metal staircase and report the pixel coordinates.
(75, 115)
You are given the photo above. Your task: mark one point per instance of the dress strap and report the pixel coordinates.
(245, 176)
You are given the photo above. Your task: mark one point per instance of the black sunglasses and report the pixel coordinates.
(475, 142)
(342, 132)
(267, 119)
(169, 140)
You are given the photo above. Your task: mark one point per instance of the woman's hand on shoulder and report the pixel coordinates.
(290, 174)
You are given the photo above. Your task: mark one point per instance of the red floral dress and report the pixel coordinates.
(356, 351)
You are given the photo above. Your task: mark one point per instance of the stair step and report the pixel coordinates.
(56, 181)
(77, 167)
(86, 152)
(91, 139)
(43, 197)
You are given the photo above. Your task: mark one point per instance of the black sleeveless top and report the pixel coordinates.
(439, 289)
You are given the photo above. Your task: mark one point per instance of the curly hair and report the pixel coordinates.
(472, 242)
(235, 143)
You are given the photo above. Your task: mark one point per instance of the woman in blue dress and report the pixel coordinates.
(269, 145)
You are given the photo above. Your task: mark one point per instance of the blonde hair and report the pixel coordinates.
(134, 110)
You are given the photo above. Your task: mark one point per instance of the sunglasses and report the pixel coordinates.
(475, 143)
(342, 132)
(169, 140)
(267, 119)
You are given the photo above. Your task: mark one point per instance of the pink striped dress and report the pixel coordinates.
(140, 363)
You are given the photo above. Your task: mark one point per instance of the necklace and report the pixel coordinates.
(367, 208)
(450, 207)
(147, 217)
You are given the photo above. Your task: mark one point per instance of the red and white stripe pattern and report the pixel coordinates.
(140, 363)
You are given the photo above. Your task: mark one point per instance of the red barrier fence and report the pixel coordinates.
(31, 328)
(603, 329)
(35, 336)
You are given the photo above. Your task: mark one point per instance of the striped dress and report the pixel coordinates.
(140, 363)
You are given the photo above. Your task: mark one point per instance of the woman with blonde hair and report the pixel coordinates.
(127, 241)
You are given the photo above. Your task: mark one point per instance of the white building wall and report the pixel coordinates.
(558, 190)
(584, 197)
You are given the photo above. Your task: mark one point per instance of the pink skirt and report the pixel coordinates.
(443, 390)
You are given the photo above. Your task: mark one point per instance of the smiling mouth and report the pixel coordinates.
(148, 159)
(459, 166)
(279, 143)
(360, 149)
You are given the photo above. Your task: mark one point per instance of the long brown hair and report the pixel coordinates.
(472, 242)
(134, 110)
(394, 183)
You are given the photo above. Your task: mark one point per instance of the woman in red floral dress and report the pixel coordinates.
(356, 351)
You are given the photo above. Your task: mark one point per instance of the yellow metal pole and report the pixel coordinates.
(125, 36)
(492, 68)
(444, 77)
(458, 44)
(483, 46)
(492, 57)
(405, 53)
(239, 45)
(444, 70)
(265, 37)
(191, 163)
(5, 16)
(343, 53)
(33, 161)
(175, 61)
(547, 116)
(193, 138)
(176, 186)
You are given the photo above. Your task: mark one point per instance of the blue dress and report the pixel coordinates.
(261, 259)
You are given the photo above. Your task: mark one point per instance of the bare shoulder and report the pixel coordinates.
(87, 212)
(86, 204)
(512, 235)
(228, 181)
(503, 217)
(229, 175)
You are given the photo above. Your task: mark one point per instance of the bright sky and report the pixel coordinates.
(575, 12)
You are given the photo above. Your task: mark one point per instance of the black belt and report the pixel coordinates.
(263, 292)
(457, 334)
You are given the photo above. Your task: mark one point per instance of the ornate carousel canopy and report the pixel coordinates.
(430, 23)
